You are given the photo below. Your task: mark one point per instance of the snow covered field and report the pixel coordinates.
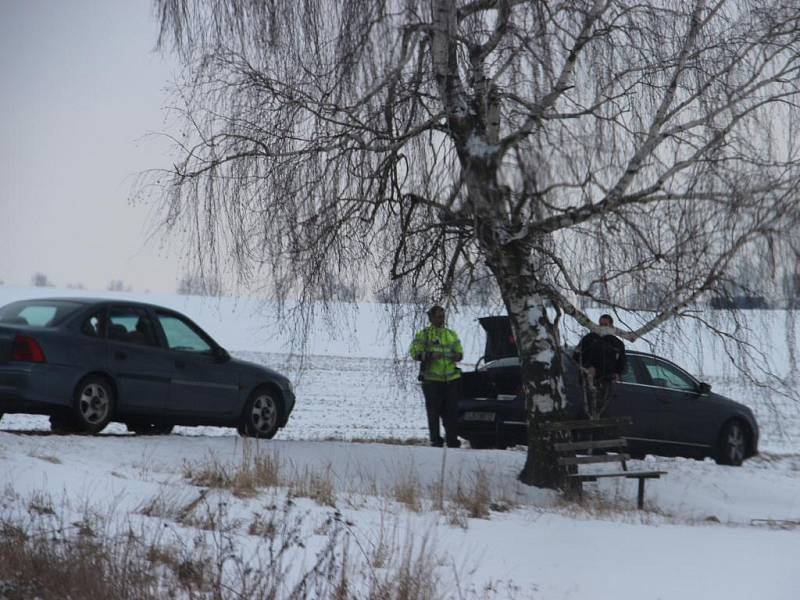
(707, 532)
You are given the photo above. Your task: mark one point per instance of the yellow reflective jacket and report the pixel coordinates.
(437, 339)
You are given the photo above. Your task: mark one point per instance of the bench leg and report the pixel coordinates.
(640, 499)
(574, 489)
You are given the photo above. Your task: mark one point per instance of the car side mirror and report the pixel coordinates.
(704, 387)
(221, 355)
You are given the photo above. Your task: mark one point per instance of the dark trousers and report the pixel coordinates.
(441, 402)
(597, 394)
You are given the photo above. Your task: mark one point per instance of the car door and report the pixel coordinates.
(140, 366)
(201, 387)
(633, 397)
(683, 412)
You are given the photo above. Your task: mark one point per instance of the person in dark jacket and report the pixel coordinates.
(601, 358)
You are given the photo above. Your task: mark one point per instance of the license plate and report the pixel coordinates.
(479, 416)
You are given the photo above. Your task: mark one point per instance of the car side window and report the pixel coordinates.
(629, 374)
(667, 376)
(95, 325)
(181, 335)
(131, 325)
(40, 316)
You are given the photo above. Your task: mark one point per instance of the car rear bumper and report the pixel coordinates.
(24, 388)
(489, 418)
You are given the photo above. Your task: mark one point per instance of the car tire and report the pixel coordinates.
(733, 443)
(261, 416)
(150, 428)
(94, 404)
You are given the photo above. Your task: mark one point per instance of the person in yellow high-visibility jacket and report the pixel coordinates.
(438, 349)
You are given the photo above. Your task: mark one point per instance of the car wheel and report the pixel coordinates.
(732, 444)
(94, 404)
(261, 415)
(150, 428)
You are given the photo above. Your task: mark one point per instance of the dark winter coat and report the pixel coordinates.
(605, 353)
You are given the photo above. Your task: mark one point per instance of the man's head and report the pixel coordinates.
(436, 315)
(606, 321)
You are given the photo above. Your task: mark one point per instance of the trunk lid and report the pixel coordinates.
(500, 342)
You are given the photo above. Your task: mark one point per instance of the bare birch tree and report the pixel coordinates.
(577, 149)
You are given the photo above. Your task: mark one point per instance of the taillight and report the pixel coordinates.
(27, 349)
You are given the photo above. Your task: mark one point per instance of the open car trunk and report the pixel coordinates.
(500, 342)
(502, 378)
(505, 379)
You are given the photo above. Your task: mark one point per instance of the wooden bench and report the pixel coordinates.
(642, 476)
(579, 452)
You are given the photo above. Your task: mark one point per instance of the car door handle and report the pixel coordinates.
(180, 364)
(120, 355)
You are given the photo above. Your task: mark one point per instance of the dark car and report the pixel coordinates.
(86, 362)
(673, 413)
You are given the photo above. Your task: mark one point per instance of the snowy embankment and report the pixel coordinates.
(709, 532)
(457, 520)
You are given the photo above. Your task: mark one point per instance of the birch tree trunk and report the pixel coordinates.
(537, 341)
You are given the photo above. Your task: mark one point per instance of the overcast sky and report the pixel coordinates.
(80, 90)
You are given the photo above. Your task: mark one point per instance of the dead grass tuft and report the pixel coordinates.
(190, 574)
(406, 490)
(170, 505)
(42, 557)
(48, 563)
(411, 576)
(261, 528)
(253, 472)
(475, 497)
(318, 486)
(41, 505)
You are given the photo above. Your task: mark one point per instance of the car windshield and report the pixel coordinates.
(40, 313)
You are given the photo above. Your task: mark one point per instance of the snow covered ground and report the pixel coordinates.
(707, 532)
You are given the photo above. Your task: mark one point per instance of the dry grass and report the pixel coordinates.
(413, 576)
(614, 501)
(206, 516)
(316, 485)
(474, 497)
(41, 505)
(255, 471)
(190, 574)
(62, 563)
(44, 553)
(170, 504)
(406, 489)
